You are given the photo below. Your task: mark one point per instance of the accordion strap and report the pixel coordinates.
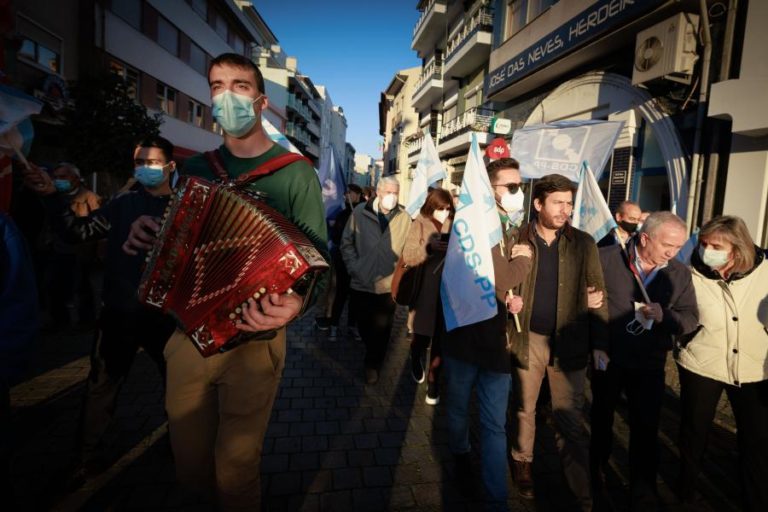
(273, 164)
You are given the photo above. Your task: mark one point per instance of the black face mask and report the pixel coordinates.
(629, 227)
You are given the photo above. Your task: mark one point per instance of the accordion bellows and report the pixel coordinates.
(218, 247)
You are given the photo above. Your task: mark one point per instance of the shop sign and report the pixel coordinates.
(596, 20)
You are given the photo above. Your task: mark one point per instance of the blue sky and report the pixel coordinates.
(351, 47)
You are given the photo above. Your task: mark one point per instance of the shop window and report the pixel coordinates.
(129, 11)
(129, 75)
(168, 36)
(166, 99)
(195, 113)
(35, 52)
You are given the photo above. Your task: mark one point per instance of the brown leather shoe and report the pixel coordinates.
(523, 474)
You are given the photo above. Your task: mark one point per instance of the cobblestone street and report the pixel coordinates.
(333, 443)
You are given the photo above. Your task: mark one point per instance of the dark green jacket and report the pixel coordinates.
(578, 329)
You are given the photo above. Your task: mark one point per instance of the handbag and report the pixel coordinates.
(406, 281)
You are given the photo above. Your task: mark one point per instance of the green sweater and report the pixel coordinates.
(293, 190)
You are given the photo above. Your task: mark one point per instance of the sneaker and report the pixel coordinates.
(355, 333)
(417, 368)
(522, 472)
(322, 323)
(332, 335)
(433, 393)
(371, 376)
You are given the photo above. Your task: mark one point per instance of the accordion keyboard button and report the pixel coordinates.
(232, 316)
(238, 310)
(262, 290)
(256, 295)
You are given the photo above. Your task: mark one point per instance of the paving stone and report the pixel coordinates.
(377, 476)
(347, 478)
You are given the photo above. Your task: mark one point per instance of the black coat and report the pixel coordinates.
(672, 288)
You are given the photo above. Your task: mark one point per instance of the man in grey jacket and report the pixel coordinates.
(370, 246)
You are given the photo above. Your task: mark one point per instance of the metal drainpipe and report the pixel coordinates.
(697, 160)
(725, 69)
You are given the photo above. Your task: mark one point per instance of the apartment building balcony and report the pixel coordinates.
(298, 107)
(300, 88)
(429, 28)
(314, 107)
(469, 45)
(456, 135)
(429, 87)
(415, 142)
(312, 149)
(314, 129)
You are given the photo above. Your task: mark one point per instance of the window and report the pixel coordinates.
(195, 113)
(129, 11)
(197, 59)
(200, 7)
(130, 75)
(238, 44)
(220, 26)
(39, 54)
(167, 36)
(522, 12)
(166, 99)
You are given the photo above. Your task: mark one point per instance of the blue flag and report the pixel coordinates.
(467, 286)
(332, 181)
(428, 171)
(590, 211)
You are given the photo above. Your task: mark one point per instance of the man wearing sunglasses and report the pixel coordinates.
(559, 325)
(637, 349)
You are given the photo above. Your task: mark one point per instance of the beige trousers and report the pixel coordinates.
(567, 391)
(218, 411)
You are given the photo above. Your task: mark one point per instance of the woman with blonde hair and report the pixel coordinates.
(425, 245)
(728, 351)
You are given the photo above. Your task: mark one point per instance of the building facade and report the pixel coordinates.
(453, 38)
(398, 124)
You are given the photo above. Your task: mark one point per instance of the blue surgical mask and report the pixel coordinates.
(149, 176)
(62, 185)
(234, 112)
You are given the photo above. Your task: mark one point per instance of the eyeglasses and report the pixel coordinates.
(513, 187)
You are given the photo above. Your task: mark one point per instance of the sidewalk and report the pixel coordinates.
(333, 443)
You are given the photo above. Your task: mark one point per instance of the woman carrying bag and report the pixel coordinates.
(728, 351)
(425, 246)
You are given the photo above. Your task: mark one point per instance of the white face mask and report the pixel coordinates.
(441, 215)
(713, 258)
(512, 203)
(389, 201)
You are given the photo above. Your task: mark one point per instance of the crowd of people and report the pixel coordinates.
(570, 312)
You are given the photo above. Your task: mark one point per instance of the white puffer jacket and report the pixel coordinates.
(731, 344)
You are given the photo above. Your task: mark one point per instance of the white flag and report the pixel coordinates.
(467, 286)
(590, 211)
(561, 147)
(428, 171)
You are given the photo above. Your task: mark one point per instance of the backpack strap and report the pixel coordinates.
(216, 163)
(270, 166)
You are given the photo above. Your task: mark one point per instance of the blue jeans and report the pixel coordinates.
(492, 395)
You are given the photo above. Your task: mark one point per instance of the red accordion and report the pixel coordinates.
(219, 246)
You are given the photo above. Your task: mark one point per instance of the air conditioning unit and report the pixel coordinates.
(666, 50)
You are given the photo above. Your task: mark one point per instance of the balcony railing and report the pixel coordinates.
(424, 14)
(482, 19)
(432, 71)
(299, 107)
(475, 119)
